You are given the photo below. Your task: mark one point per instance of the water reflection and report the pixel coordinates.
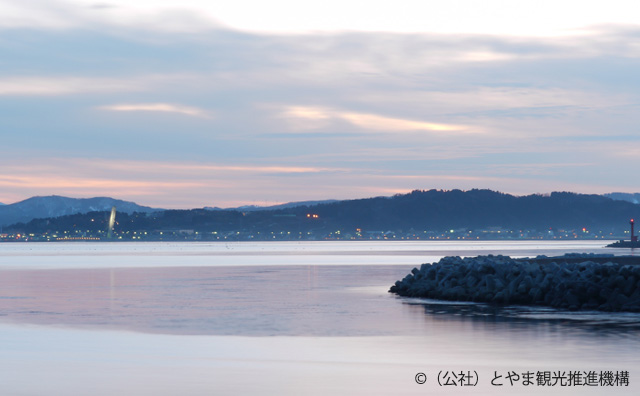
(254, 301)
(525, 318)
(295, 329)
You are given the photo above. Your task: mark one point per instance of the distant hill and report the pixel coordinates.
(252, 208)
(477, 209)
(633, 198)
(432, 210)
(56, 206)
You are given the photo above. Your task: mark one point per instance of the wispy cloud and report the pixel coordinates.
(159, 107)
(193, 168)
(341, 114)
(497, 16)
(70, 84)
(373, 121)
(311, 117)
(76, 183)
(189, 185)
(159, 183)
(64, 85)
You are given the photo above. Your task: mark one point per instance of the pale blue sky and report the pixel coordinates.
(191, 104)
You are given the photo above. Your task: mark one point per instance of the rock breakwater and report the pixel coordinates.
(572, 281)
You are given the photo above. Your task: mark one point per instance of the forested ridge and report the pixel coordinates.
(435, 210)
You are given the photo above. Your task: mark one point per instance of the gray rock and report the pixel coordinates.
(563, 282)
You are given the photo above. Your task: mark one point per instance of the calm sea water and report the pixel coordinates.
(283, 319)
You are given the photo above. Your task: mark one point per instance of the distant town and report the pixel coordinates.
(191, 235)
(419, 215)
(494, 233)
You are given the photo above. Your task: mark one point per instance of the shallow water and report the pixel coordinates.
(280, 318)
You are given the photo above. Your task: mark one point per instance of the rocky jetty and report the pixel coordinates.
(624, 244)
(572, 281)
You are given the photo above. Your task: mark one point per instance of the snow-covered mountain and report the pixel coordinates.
(55, 206)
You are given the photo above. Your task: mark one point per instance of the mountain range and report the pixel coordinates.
(56, 206)
(435, 210)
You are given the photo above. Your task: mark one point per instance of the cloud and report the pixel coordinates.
(193, 168)
(40, 14)
(196, 184)
(159, 107)
(358, 105)
(312, 117)
(493, 17)
(74, 183)
(373, 121)
(142, 15)
(158, 183)
(64, 85)
(49, 85)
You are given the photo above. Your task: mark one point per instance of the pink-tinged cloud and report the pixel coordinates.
(193, 185)
(159, 107)
(313, 117)
(183, 168)
(161, 184)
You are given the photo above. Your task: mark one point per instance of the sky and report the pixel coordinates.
(186, 104)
